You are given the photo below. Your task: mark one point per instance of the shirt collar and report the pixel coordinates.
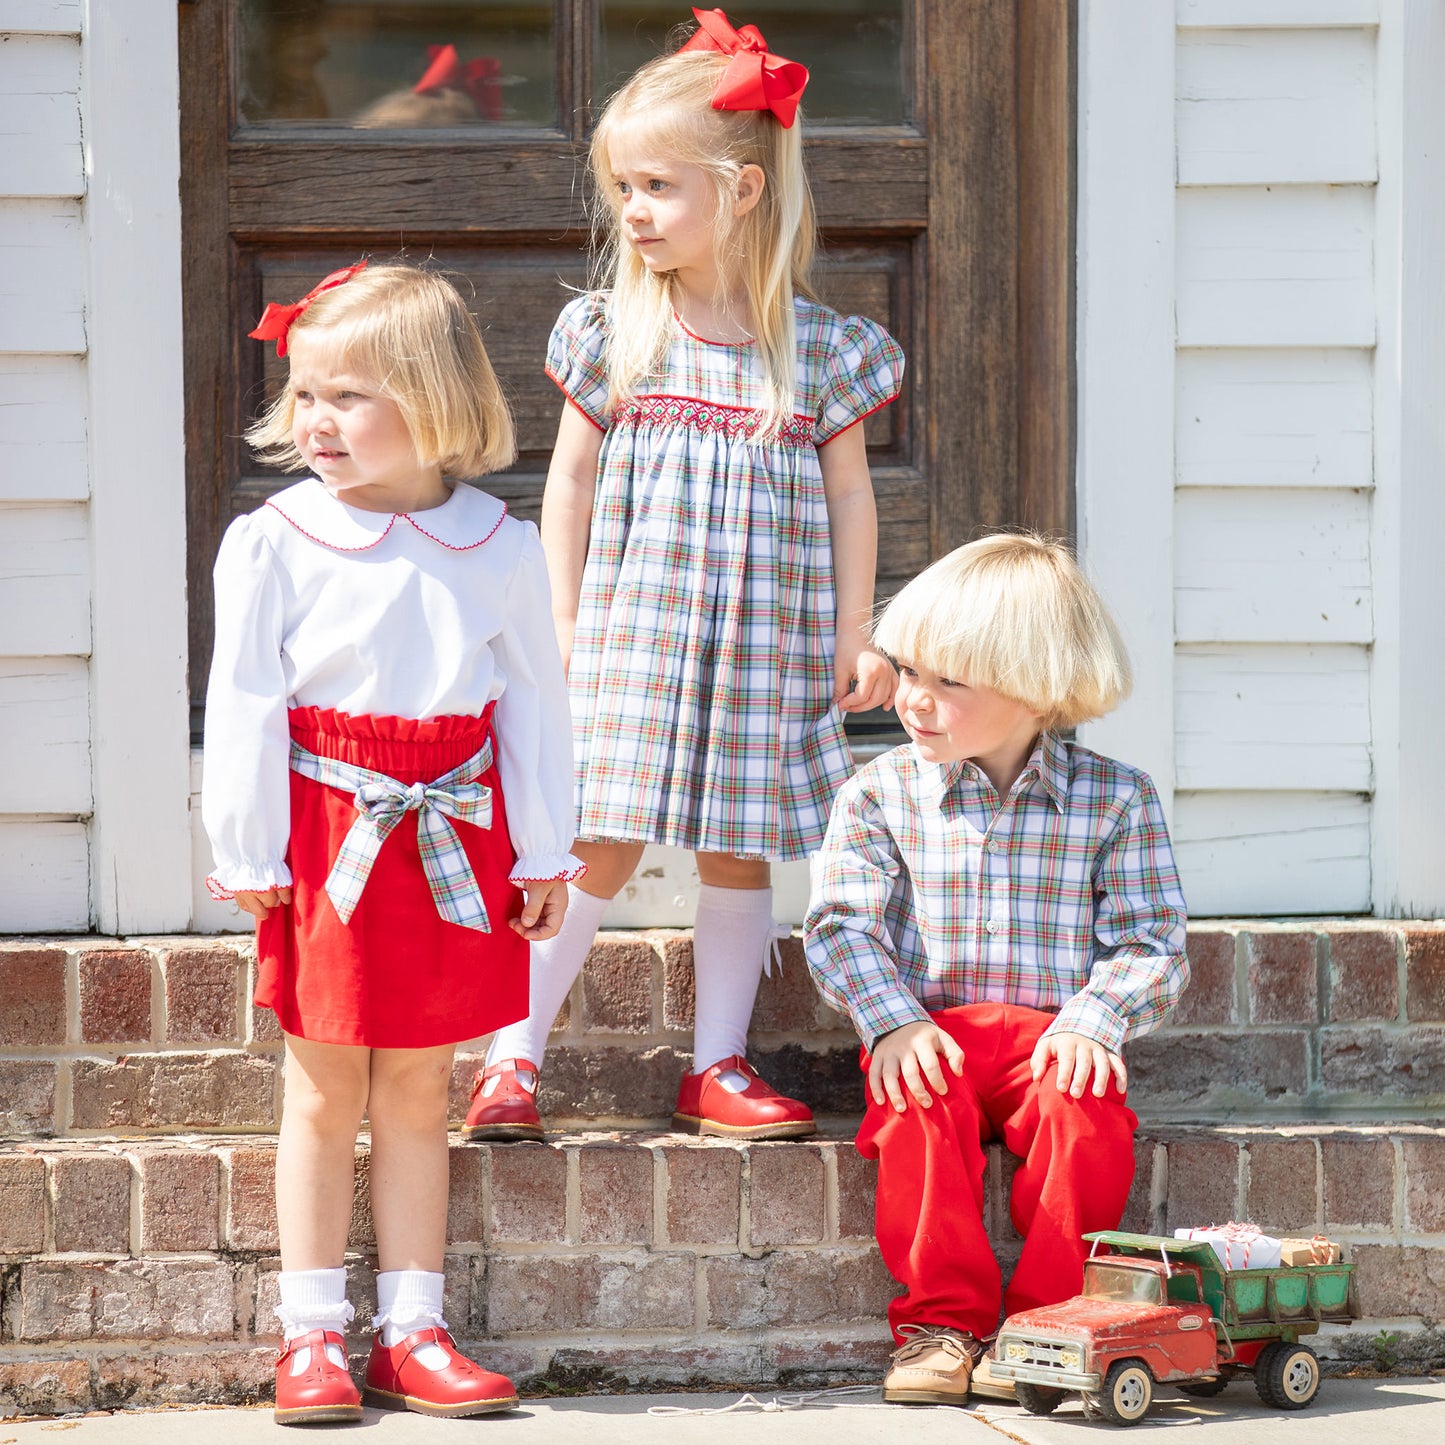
(465, 520)
(1049, 761)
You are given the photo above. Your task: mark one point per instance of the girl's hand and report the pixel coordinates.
(1078, 1058)
(862, 678)
(541, 915)
(913, 1056)
(259, 905)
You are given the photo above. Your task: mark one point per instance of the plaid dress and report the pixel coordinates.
(702, 666)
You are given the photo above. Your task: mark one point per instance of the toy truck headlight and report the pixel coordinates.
(1070, 1357)
(1014, 1350)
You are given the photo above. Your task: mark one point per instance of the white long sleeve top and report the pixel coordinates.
(413, 615)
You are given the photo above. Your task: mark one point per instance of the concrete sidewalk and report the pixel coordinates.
(1402, 1411)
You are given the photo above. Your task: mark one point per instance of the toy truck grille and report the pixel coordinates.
(1043, 1360)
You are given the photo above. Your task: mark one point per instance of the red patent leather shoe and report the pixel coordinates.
(510, 1110)
(704, 1106)
(395, 1381)
(322, 1391)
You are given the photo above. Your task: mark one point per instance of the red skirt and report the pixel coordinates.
(399, 975)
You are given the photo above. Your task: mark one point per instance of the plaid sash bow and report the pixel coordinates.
(381, 802)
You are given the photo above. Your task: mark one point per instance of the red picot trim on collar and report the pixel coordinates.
(321, 541)
(468, 546)
(221, 895)
(563, 877)
(367, 546)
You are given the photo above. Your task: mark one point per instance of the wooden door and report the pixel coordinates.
(939, 146)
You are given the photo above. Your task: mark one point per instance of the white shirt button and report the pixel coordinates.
(992, 926)
(992, 845)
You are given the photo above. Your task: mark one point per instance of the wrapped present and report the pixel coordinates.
(1318, 1250)
(1239, 1246)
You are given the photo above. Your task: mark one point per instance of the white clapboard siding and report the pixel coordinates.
(1273, 853)
(40, 17)
(1272, 566)
(1275, 105)
(42, 276)
(42, 429)
(1281, 13)
(1272, 717)
(45, 734)
(44, 876)
(40, 116)
(44, 581)
(1275, 266)
(1274, 418)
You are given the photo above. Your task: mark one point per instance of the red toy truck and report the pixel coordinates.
(1159, 1310)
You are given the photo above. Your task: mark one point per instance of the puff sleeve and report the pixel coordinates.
(245, 783)
(863, 372)
(533, 726)
(576, 356)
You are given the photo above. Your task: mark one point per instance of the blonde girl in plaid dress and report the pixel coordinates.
(710, 534)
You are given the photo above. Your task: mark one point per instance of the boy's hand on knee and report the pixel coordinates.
(910, 1059)
(541, 914)
(1078, 1059)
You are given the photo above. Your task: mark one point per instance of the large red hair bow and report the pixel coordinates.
(755, 79)
(477, 77)
(277, 319)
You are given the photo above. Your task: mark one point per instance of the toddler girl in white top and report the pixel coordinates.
(387, 774)
(711, 538)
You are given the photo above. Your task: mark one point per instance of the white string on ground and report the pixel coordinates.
(777, 1404)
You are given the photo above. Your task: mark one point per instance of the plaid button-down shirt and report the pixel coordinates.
(930, 893)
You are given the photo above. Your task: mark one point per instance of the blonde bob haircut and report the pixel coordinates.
(408, 332)
(1012, 612)
(766, 253)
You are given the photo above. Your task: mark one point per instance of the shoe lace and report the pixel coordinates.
(918, 1338)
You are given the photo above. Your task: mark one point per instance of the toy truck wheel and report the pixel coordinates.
(1128, 1389)
(1205, 1389)
(1038, 1399)
(1287, 1376)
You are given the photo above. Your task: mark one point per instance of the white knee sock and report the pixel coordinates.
(313, 1299)
(555, 966)
(408, 1300)
(731, 938)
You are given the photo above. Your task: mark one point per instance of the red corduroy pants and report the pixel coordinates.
(1076, 1165)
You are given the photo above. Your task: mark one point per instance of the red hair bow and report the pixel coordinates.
(755, 79)
(477, 77)
(277, 319)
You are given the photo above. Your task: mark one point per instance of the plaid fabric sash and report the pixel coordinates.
(381, 802)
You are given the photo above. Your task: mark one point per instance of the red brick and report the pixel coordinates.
(1392, 1281)
(617, 987)
(206, 1091)
(32, 983)
(104, 1095)
(616, 1184)
(1210, 1071)
(698, 1367)
(785, 1194)
(1282, 1197)
(115, 996)
(1000, 1169)
(679, 993)
(612, 1084)
(824, 1074)
(201, 995)
(787, 1000)
(1282, 972)
(737, 1291)
(180, 1195)
(1364, 976)
(797, 1287)
(237, 1374)
(826, 1362)
(252, 1213)
(22, 1204)
(1359, 1181)
(265, 1026)
(92, 1203)
(1211, 997)
(595, 1292)
(466, 1214)
(857, 1188)
(1425, 975)
(1138, 1216)
(465, 1067)
(361, 1232)
(704, 1193)
(1424, 1159)
(45, 1387)
(529, 1193)
(1203, 1183)
(27, 1097)
(124, 1299)
(1374, 1063)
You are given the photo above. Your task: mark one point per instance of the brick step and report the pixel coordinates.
(142, 1271)
(1281, 1021)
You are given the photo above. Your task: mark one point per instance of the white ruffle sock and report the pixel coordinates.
(313, 1299)
(555, 966)
(732, 939)
(408, 1300)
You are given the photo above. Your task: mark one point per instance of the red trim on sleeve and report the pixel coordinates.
(823, 441)
(572, 400)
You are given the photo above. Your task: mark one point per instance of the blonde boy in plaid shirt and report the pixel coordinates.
(997, 910)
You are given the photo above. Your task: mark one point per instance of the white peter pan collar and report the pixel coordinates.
(465, 520)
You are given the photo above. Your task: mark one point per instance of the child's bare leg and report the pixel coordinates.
(609, 866)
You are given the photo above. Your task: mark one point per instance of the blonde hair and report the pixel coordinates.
(409, 332)
(767, 253)
(1014, 613)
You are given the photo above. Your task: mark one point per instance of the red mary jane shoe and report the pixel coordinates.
(322, 1391)
(510, 1110)
(395, 1381)
(704, 1106)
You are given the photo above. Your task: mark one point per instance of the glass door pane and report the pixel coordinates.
(853, 50)
(356, 64)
